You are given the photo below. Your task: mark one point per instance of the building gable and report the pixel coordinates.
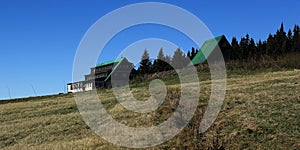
(209, 47)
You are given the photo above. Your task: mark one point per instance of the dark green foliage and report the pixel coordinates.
(261, 48)
(289, 41)
(296, 39)
(279, 44)
(275, 47)
(270, 45)
(161, 63)
(145, 64)
(244, 46)
(191, 54)
(179, 59)
(168, 61)
(252, 49)
(235, 51)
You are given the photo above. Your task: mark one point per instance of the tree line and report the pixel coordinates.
(162, 62)
(276, 45)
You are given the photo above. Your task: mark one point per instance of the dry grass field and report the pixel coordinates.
(261, 110)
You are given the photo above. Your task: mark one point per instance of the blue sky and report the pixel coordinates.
(38, 39)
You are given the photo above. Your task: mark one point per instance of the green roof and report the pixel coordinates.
(116, 63)
(110, 62)
(206, 50)
(115, 67)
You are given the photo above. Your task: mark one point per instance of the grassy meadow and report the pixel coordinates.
(261, 110)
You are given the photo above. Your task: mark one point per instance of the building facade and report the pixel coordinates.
(209, 50)
(105, 75)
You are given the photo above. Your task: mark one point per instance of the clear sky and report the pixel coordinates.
(38, 39)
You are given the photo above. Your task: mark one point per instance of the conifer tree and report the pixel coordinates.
(145, 64)
(296, 39)
(193, 53)
(160, 64)
(280, 41)
(168, 63)
(252, 49)
(179, 59)
(261, 48)
(189, 55)
(270, 46)
(236, 53)
(196, 52)
(244, 46)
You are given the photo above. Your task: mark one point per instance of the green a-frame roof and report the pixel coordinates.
(116, 63)
(110, 62)
(207, 48)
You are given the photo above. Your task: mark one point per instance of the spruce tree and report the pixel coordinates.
(193, 53)
(236, 53)
(179, 59)
(252, 49)
(261, 49)
(290, 35)
(296, 39)
(159, 64)
(145, 64)
(244, 46)
(189, 55)
(196, 52)
(270, 46)
(168, 63)
(280, 41)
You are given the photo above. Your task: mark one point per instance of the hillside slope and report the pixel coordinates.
(261, 110)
